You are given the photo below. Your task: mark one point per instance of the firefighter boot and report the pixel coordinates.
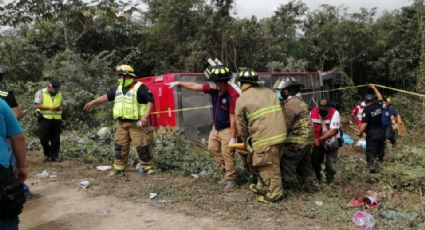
(257, 188)
(271, 197)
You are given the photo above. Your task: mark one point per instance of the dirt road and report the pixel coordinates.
(64, 207)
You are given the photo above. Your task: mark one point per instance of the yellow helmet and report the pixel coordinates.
(125, 70)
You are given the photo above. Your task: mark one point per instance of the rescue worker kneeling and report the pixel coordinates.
(261, 126)
(297, 171)
(132, 106)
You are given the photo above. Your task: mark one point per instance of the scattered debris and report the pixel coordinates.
(152, 195)
(43, 175)
(53, 176)
(103, 167)
(196, 176)
(103, 213)
(395, 215)
(84, 184)
(104, 133)
(363, 220)
(319, 203)
(347, 139)
(370, 201)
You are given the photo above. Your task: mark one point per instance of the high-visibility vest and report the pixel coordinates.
(49, 100)
(126, 105)
(4, 93)
(317, 120)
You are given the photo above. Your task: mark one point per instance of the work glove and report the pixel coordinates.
(172, 84)
(139, 124)
(233, 140)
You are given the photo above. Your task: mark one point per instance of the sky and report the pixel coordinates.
(265, 8)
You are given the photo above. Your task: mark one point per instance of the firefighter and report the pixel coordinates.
(295, 160)
(132, 107)
(374, 129)
(326, 122)
(49, 104)
(223, 98)
(261, 126)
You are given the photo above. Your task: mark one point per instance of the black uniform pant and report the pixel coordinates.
(375, 150)
(49, 131)
(389, 134)
(318, 156)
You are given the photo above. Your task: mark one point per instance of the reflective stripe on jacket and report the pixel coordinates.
(298, 123)
(260, 117)
(126, 105)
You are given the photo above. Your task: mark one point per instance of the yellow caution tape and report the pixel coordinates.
(308, 93)
(336, 89)
(185, 109)
(401, 91)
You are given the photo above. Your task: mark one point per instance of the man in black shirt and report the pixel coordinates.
(374, 128)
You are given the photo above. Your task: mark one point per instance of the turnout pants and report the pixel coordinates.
(268, 165)
(49, 133)
(318, 156)
(127, 132)
(295, 165)
(218, 148)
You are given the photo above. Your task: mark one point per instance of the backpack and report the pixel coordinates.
(12, 196)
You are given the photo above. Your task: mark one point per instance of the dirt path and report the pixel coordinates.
(64, 207)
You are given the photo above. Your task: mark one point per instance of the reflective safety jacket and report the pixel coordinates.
(298, 123)
(126, 105)
(315, 118)
(260, 117)
(49, 100)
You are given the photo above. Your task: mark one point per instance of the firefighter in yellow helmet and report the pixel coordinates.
(261, 126)
(132, 106)
(223, 98)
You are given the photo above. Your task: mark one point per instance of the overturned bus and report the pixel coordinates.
(191, 110)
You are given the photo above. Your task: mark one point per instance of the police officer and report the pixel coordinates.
(49, 104)
(295, 160)
(374, 129)
(132, 107)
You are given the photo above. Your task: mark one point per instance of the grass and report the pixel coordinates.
(400, 186)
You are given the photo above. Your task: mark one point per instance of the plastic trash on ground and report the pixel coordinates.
(363, 220)
(103, 213)
(361, 143)
(84, 184)
(395, 215)
(104, 167)
(347, 139)
(152, 195)
(43, 175)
